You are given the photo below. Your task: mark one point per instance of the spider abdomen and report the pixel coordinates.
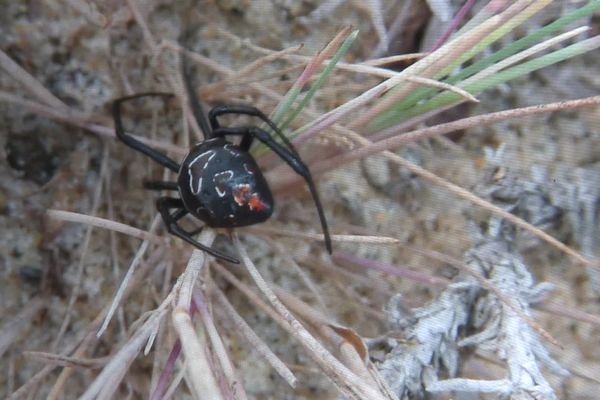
(223, 186)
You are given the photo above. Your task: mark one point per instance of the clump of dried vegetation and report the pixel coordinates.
(472, 315)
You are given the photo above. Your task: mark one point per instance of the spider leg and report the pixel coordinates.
(160, 185)
(196, 231)
(195, 104)
(133, 142)
(292, 159)
(250, 111)
(180, 213)
(164, 205)
(246, 142)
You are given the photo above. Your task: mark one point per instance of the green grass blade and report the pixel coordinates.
(321, 79)
(475, 88)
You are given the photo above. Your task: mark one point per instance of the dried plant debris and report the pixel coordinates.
(579, 195)
(529, 199)
(436, 332)
(565, 203)
(466, 316)
(431, 334)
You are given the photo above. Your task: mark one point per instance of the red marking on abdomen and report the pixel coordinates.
(256, 203)
(242, 196)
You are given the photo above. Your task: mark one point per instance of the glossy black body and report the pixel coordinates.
(222, 185)
(219, 182)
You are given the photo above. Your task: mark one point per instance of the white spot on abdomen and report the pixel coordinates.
(203, 158)
(220, 180)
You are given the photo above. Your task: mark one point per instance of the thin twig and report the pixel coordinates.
(31, 84)
(84, 339)
(129, 230)
(257, 344)
(106, 383)
(64, 361)
(347, 382)
(287, 256)
(402, 272)
(319, 236)
(200, 374)
(121, 291)
(84, 250)
(444, 86)
(233, 381)
(75, 118)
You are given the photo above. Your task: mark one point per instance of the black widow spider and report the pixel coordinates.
(219, 182)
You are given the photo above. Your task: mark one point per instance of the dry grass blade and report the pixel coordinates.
(444, 86)
(465, 194)
(160, 385)
(328, 119)
(570, 312)
(173, 77)
(78, 347)
(129, 230)
(456, 21)
(243, 76)
(200, 374)
(308, 282)
(369, 149)
(350, 345)
(403, 272)
(106, 383)
(335, 272)
(320, 58)
(84, 252)
(393, 59)
(132, 267)
(74, 118)
(368, 67)
(333, 332)
(233, 382)
(169, 394)
(257, 344)
(30, 83)
(192, 270)
(64, 361)
(318, 236)
(139, 18)
(345, 380)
